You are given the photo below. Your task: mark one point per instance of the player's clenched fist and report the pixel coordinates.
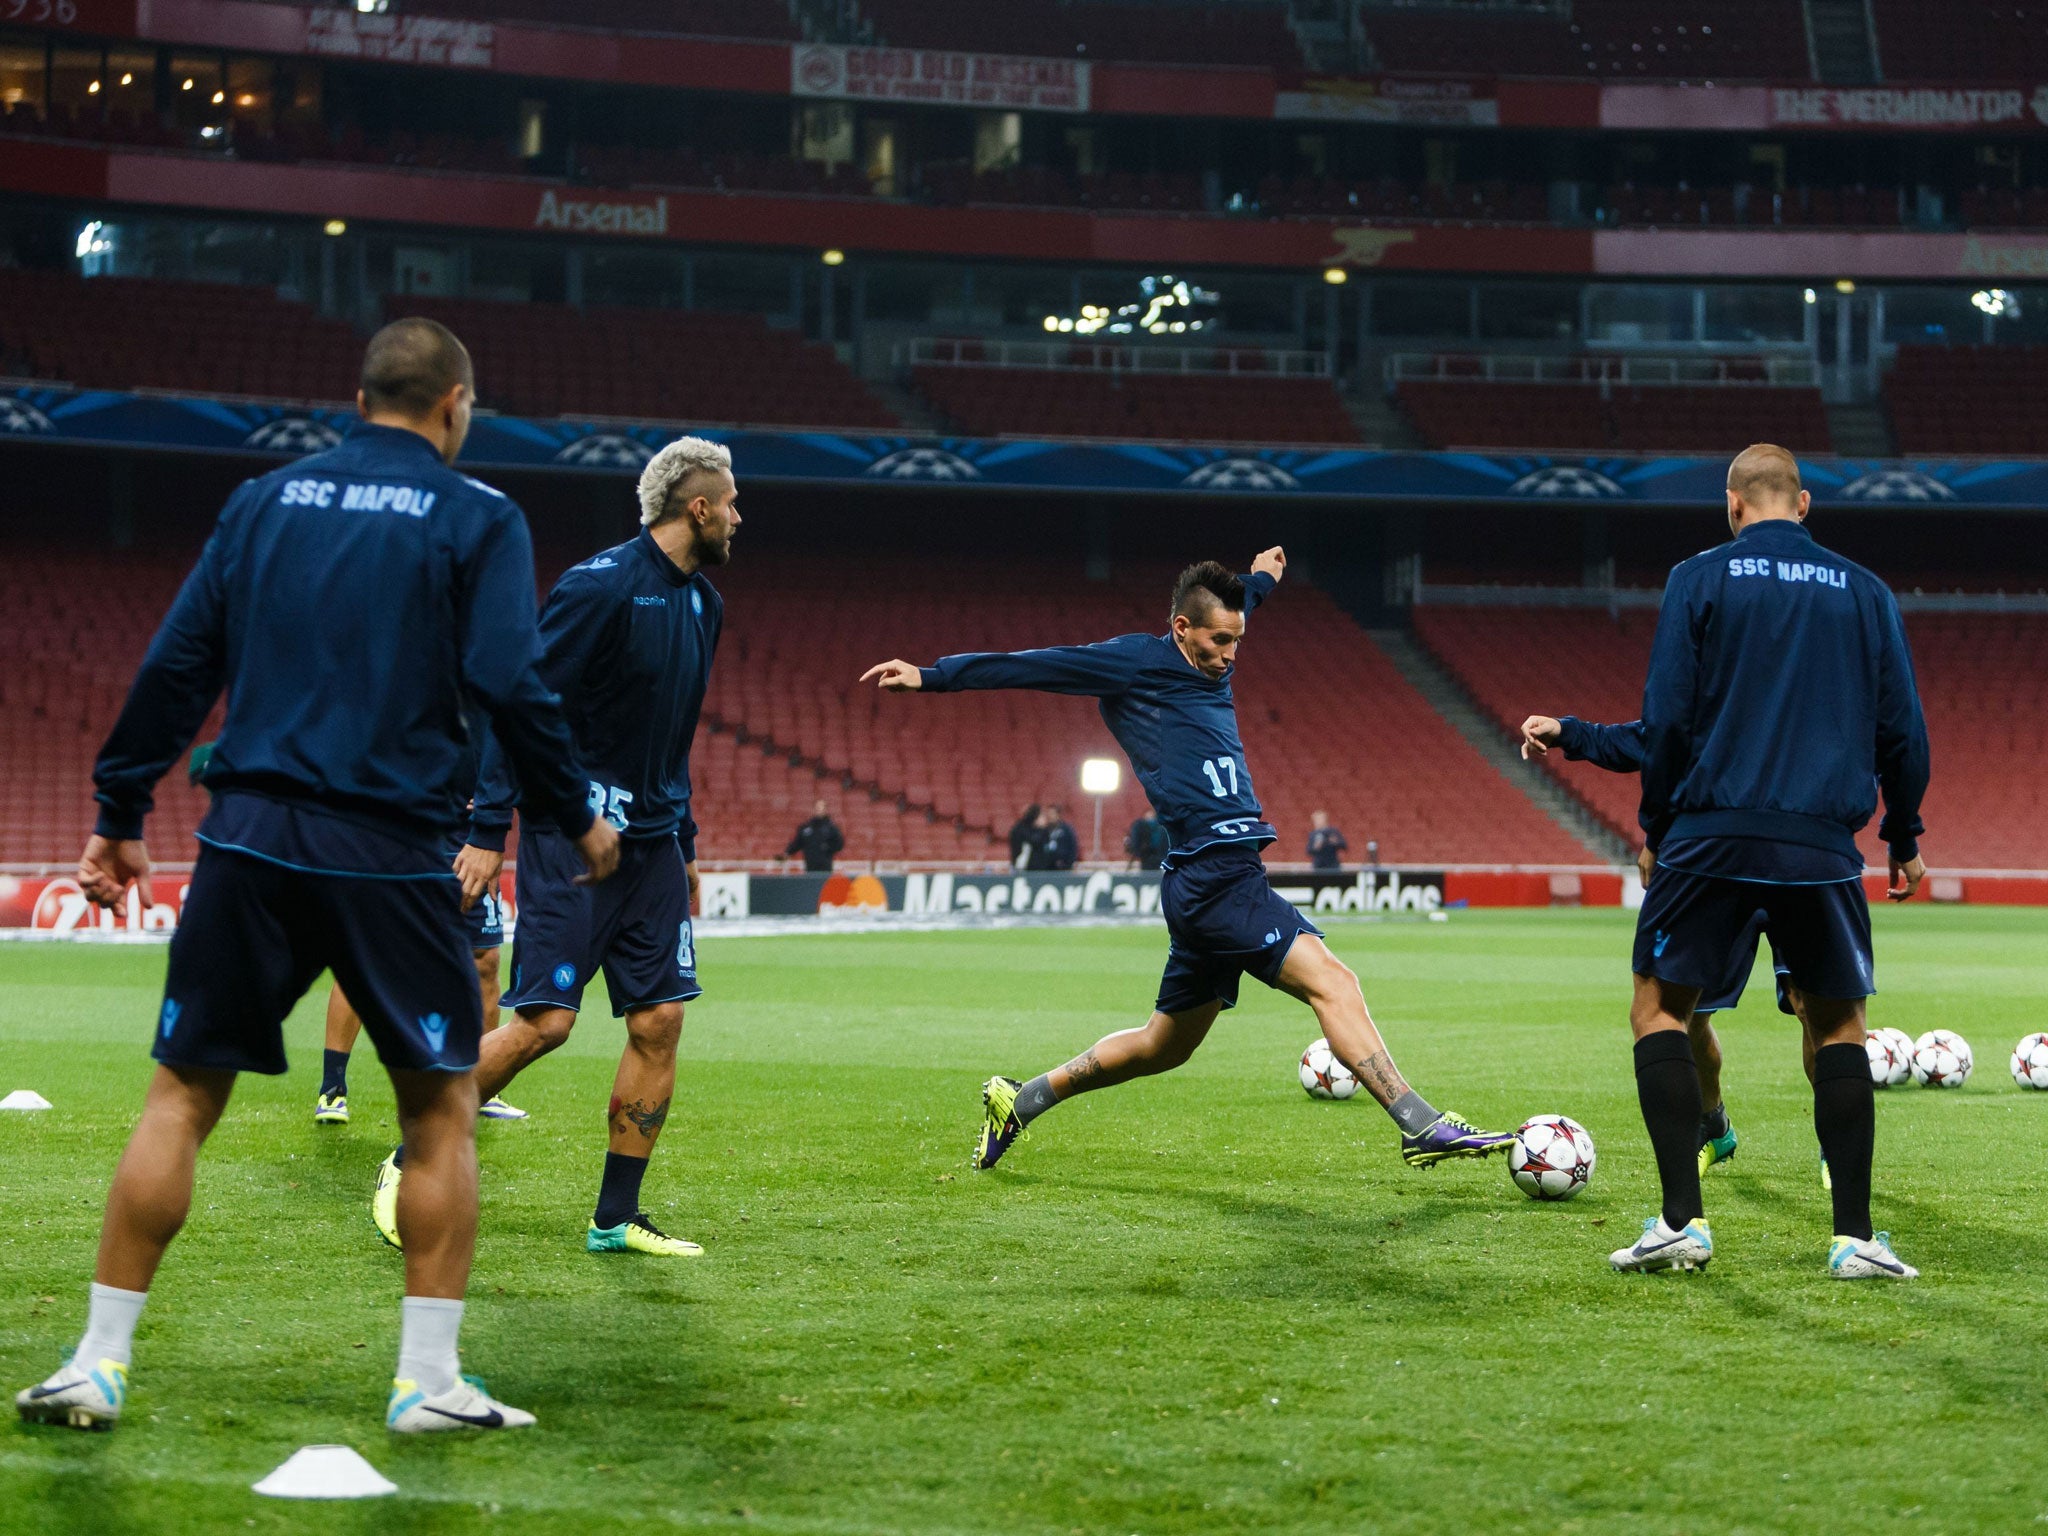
(1539, 734)
(895, 676)
(1271, 561)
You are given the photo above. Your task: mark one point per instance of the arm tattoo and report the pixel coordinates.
(1083, 1072)
(648, 1121)
(1382, 1080)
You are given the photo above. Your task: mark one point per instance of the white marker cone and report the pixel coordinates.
(326, 1472)
(24, 1098)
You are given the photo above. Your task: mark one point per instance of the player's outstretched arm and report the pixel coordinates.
(107, 868)
(1270, 562)
(895, 676)
(1539, 734)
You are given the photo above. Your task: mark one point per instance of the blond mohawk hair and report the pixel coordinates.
(673, 466)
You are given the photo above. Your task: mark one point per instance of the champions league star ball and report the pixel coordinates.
(2030, 1062)
(1323, 1075)
(1552, 1158)
(1941, 1059)
(1891, 1060)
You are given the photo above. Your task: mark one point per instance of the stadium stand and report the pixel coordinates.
(800, 632)
(117, 332)
(1477, 413)
(768, 19)
(1983, 683)
(676, 365)
(1238, 32)
(786, 722)
(1975, 42)
(1971, 399)
(1607, 39)
(1079, 402)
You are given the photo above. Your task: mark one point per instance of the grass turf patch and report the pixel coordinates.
(1198, 1303)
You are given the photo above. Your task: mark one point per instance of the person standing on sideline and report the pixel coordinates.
(1780, 702)
(348, 603)
(1022, 832)
(1326, 844)
(819, 840)
(1057, 847)
(628, 637)
(1148, 842)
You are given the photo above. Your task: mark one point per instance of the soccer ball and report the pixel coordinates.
(2030, 1062)
(1891, 1060)
(1941, 1059)
(1552, 1158)
(1323, 1075)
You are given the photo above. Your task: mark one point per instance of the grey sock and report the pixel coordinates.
(1412, 1112)
(1035, 1098)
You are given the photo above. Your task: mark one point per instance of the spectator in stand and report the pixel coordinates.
(1055, 847)
(1023, 833)
(1147, 841)
(1372, 852)
(818, 840)
(1326, 844)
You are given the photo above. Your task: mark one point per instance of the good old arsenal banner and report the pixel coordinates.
(938, 78)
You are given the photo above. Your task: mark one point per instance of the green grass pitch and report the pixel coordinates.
(1200, 1303)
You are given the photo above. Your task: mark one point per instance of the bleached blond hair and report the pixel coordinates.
(684, 457)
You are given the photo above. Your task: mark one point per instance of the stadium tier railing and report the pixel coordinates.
(1109, 357)
(1748, 372)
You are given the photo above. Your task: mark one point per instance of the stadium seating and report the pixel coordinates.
(1983, 684)
(122, 333)
(1969, 42)
(552, 360)
(1604, 39)
(1477, 413)
(1079, 402)
(1972, 399)
(1328, 722)
(1236, 32)
(768, 19)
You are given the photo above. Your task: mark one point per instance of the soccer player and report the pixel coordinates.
(348, 603)
(1167, 700)
(1619, 749)
(1780, 700)
(628, 637)
(476, 869)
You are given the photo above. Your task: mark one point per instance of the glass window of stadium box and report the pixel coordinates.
(1528, 312)
(75, 84)
(1955, 317)
(199, 94)
(516, 273)
(1422, 311)
(130, 88)
(749, 285)
(1759, 316)
(252, 93)
(1631, 315)
(22, 78)
(643, 279)
(919, 291)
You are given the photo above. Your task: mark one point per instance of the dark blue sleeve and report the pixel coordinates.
(1096, 671)
(1617, 748)
(175, 686)
(506, 668)
(1668, 696)
(1902, 756)
(488, 823)
(1258, 586)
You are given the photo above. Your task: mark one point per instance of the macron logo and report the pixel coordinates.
(435, 1027)
(601, 563)
(170, 1017)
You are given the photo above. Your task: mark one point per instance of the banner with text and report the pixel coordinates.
(937, 78)
(1442, 103)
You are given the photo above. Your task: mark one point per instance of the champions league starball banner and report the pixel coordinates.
(57, 415)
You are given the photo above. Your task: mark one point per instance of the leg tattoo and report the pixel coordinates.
(645, 1118)
(1380, 1077)
(1083, 1072)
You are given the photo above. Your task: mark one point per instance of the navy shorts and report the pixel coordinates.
(1223, 919)
(1691, 924)
(485, 920)
(254, 935)
(634, 926)
(1726, 993)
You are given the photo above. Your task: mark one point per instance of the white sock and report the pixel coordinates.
(426, 1343)
(110, 1325)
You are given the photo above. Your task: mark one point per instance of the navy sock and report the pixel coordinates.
(1845, 1119)
(1668, 1088)
(618, 1197)
(334, 1072)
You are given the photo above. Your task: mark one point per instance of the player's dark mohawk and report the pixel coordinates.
(1205, 583)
